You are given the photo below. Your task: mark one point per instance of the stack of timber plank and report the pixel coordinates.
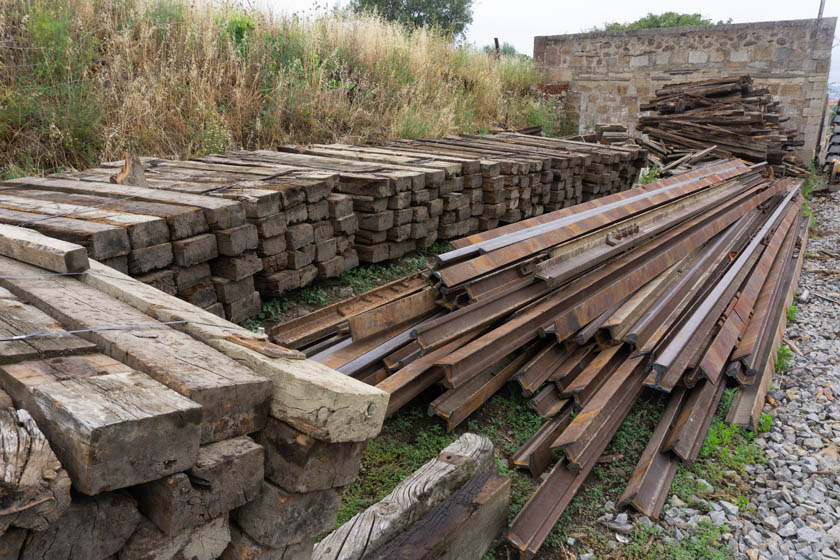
(294, 230)
(738, 117)
(136, 425)
(540, 174)
(184, 243)
(393, 202)
(675, 287)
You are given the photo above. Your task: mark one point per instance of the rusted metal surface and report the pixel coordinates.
(456, 405)
(714, 359)
(548, 401)
(693, 421)
(572, 226)
(573, 308)
(650, 482)
(540, 368)
(674, 356)
(393, 314)
(535, 455)
(326, 321)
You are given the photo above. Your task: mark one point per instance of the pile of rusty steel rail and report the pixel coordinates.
(732, 114)
(678, 286)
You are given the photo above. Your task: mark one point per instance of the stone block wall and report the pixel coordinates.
(614, 71)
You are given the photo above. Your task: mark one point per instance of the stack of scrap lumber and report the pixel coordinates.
(134, 424)
(395, 202)
(611, 133)
(678, 286)
(537, 174)
(739, 118)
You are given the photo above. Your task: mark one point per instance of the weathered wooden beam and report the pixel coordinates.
(34, 248)
(412, 498)
(92, 527)
(18, 321)
(232, 397)
(313, 398)
(277, 518)
(112, 427)
(226, 475)
(35, 489)
(201, 542)
(102, 241)
(464, 526)
(299, 463)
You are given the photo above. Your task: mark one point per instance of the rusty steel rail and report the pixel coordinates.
(510, 248)
(474, 243)
(715, 358)
(674, 356)
(572, 309)
(327, 321)
(648, 487)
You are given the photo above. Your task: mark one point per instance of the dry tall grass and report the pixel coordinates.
(81, 81)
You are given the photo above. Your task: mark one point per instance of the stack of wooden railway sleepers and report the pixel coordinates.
(176, 241)
(539, 174)
(136, 425)
(678, 286)
(294, 229)
(396, 204)
(737, 117)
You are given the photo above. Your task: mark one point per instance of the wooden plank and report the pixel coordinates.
(19, 320)
(35, 488)
(412, 498)
(316, 400)
(143, 231)
(276, 518)
(183, 221)
(102, 241)
(201, 542)
(34, 248)
(464, 526)
(93, 527)
(299, 463)
(226, 475)
(233, 397)
(220, 213)
(112, 426)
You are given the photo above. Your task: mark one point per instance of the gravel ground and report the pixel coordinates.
(796, 494)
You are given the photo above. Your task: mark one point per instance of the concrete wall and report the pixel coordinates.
(613, 71)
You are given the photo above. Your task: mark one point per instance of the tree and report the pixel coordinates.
(656, 21)
(451, 15)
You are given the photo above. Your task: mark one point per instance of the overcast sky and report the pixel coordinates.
(518, 21)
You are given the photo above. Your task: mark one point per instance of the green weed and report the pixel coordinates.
(784, 358)
(765, 422)
(273, 309)
(791, 314)
(366, 277)
(315, 296)
(649, 175)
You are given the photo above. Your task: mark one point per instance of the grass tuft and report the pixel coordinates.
(784, 358)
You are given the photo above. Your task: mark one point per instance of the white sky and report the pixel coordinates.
(518, 21)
